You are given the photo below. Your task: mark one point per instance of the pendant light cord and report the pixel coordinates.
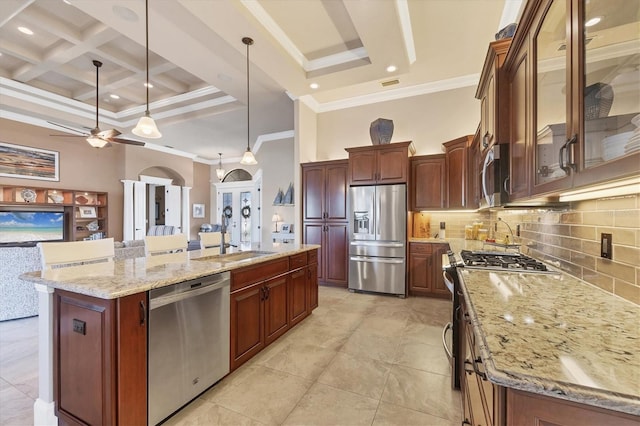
(248, 103)
(147, 44)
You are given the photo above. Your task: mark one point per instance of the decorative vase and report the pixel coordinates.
(381, 131)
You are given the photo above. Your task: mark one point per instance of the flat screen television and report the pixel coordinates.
(29, 227)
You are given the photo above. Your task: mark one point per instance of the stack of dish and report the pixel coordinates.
(614, 146)
(633, 145)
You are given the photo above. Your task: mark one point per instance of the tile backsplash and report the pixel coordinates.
(568, 238)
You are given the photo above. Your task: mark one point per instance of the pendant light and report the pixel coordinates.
(146, 127)
(248, 159)
(220, 170)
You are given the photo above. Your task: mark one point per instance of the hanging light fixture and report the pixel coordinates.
(220, 170)
(248, 157)
(146, 127)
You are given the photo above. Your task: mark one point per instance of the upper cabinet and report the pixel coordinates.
(380, 164)
(324, 191)
(574, 94)
(492, 93)
(458, 172)
(428, 187)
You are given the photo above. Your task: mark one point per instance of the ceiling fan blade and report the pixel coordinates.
(127, 141)
(108, 134)
(68, 128)
(69, 136)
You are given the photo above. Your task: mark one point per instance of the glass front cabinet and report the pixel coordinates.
(585, 109)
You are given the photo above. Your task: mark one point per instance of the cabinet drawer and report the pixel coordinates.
(312, 256)
(298, 260)
(244, 277)
(424, 248)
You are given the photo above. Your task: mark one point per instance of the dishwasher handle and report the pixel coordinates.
(392, 260)
(197, 289)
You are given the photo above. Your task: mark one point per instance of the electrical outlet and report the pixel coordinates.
(605, 245)
(79, 326)
(517, 230)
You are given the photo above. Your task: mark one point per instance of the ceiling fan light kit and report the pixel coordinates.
(248, 159)
(146, 127)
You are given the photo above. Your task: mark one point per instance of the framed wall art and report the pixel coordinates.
(87, 212)
(198, 210)
(29, 163)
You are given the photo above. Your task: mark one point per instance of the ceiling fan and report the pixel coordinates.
(99, 138)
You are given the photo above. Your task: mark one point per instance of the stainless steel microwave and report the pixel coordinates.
(495, 176)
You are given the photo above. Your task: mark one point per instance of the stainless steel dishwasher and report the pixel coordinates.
(188, 342)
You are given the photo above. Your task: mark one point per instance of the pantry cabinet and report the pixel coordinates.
(380, 164)
(573, 97)
(324, 217)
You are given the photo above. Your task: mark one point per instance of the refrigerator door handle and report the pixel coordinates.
(377, 259)
(375, 244)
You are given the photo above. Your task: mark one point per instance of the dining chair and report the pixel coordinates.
(160, 244)
(209, 239)
(56, 255)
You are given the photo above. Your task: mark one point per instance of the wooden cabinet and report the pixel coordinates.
(324, 191)
(324, 211)
(524, 408)
(483, 401)
(458, 172)
(427, 187)
(492, 93)
(268, 299)
(100, 359)
(379, 164)
(85, 212)
(333, 257)
(570, 123)
(425, 270)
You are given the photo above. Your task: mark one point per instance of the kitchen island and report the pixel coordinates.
(97, 315)
(545, 335)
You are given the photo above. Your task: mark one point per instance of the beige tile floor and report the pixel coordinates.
(360, 359)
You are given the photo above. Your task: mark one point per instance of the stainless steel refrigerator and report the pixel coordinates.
(377, 237)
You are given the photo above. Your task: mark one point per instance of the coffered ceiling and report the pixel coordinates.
(198, 62)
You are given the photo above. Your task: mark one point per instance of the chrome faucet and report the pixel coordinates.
(223, 230)
(513, 240)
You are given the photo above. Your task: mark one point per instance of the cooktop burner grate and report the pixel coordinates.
(515, 262)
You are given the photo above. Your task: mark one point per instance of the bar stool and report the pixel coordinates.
(160, 244)
(57, 255)
(210, 239)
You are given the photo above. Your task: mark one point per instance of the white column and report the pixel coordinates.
(139, 210)
(127, 218)
(186, 213)
(43, 408)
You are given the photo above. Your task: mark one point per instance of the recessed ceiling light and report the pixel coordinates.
(593, 21)
(149, 85)
(391, 68)
(114, 96)
(25, 30)
(314, 85)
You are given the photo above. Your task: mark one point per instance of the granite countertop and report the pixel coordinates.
(556, 335)
(111, 280)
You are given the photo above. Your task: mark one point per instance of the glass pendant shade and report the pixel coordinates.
(146, 128)
(248, 158)
(96, 142)
(220, 170)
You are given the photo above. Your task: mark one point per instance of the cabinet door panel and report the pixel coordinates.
(247, 325)
(427, 182)
(456, 176)
(336, 192)
(336, 252)
(439, 288)
(362, 167)
(276, 308)
(419, 273)
(313, 193)
(313, 233)
(298, 291)
(519, 164)
(85, 385)
(312, 278)
(392, 165)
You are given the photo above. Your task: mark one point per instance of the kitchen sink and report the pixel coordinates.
(235, 257)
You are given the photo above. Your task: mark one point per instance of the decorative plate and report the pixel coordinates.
(28, 195)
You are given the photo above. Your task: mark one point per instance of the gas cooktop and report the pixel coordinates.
(503, 261)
